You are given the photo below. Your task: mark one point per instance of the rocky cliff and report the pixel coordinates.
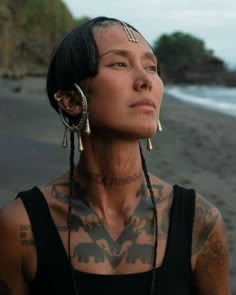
(28, 31)
(209, 70)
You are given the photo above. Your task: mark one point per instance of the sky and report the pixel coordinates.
(213, 21)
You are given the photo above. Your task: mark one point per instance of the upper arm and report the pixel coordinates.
(210, 246)
(12, 279)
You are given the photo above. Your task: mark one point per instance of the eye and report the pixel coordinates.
(152, 68)
(119, 64)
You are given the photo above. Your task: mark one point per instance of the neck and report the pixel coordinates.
(111, 173)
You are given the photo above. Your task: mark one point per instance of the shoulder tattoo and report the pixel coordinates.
(206, 216)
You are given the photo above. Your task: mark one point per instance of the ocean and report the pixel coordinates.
(217, 98)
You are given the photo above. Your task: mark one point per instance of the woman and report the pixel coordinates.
(107, 225)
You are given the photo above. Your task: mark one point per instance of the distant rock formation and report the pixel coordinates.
(210, 70)
(229, 78)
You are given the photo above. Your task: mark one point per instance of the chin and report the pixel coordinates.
(142, 133)
(149, 130)
(135, 130)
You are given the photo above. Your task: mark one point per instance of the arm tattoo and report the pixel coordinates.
(212, 248)
(213, 257)
(204, 222)
(4, 289)
(25, 240)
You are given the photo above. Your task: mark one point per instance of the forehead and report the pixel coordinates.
(114, 37)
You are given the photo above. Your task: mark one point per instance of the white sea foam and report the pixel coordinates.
(217, 98)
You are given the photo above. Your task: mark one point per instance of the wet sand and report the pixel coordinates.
(196, 149)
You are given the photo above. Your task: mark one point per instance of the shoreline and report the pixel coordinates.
(211, 97)
(196, 149)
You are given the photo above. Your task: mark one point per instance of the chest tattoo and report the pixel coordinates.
(126, 246)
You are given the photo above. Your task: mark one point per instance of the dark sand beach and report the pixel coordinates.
(196, 149)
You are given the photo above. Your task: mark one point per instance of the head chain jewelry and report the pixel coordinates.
(129, 33)
(83, 123)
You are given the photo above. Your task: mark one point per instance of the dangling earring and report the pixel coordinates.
(159, 128)
(87, 129)
(80, 144)
(84, 122)
(149, 142)
(85, 114)
(64, 143)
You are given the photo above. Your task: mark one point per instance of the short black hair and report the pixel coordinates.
(75, 58)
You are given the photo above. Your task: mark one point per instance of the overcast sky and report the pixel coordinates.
(214, 21)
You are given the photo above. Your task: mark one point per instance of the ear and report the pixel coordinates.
(69, 101)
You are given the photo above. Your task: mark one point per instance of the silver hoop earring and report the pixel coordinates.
(83, 123)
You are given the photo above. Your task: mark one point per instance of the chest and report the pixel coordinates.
(121, 247)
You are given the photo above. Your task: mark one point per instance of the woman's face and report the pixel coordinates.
(125, 96)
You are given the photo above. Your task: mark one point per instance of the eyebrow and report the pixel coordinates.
(125, 53)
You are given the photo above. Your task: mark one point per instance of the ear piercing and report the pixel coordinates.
(83, 123)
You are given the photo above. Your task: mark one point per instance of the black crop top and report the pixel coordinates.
(54, 274)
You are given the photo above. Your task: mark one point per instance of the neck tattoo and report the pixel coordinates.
(112, 181)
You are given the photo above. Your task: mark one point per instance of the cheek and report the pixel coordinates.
(104, 109)
(159, 92)
(106, 98)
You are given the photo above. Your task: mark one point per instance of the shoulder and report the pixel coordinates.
(12, 218)
(208, 222)
(210, 249)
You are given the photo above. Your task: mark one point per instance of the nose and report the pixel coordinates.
(142, 81)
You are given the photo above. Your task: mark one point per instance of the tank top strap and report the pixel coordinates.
(177, 262)
(53, 267)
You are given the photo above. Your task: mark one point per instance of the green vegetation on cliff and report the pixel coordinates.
(178, 50)
(51, 16)
(184, 58)
(28, 31)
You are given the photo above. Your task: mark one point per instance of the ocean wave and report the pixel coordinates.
(217, 98)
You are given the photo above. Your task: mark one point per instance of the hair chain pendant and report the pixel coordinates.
(129, 33)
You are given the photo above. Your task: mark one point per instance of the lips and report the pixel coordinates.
(144, 102)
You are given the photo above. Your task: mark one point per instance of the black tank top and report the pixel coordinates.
(54, 273)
